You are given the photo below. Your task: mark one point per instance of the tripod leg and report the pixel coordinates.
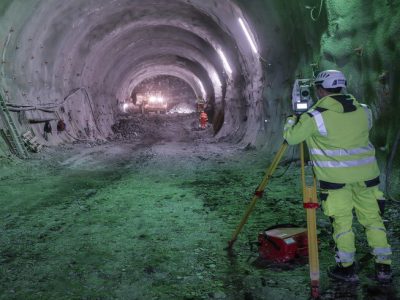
(311, 204)
(259, 193)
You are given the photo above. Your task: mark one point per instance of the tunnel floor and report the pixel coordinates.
(149, 219)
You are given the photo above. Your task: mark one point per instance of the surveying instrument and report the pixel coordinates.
(301, 101)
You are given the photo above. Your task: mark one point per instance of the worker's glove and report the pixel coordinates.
(290, 122)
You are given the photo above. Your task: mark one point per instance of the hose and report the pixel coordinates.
(70, 135)
(315, 19)
(288, 166)
(84, 91)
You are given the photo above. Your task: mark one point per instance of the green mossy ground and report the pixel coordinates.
(152, 223)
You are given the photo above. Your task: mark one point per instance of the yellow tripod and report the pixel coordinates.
(310, 203)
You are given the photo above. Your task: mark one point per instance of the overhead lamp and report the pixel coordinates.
(156, 99)
(203, 91)
(215, 79)
(225, 62)
(248, 35)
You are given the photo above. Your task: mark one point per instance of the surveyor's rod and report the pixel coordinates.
(311, 204)
(259, 192)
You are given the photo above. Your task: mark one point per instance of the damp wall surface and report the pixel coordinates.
(77, 58)
(290, 42)
(362, 40)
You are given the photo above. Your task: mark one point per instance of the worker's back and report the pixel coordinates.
(340, 148)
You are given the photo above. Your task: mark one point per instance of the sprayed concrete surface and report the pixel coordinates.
(150, 220)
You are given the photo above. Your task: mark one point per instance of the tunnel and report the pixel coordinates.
(107, 50)
(134, 133)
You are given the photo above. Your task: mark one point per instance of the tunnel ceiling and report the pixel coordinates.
(109, 47)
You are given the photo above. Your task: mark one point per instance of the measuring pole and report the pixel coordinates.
(311, 204)
(259, 192)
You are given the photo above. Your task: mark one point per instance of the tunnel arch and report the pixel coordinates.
(64, 47)
(165, 55)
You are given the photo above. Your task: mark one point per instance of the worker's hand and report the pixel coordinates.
(290, 122)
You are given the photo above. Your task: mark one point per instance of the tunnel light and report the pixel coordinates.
(225, 62)
(156, 99)
(125, 106)
(203, 91)
(215, 79)
(248, 35)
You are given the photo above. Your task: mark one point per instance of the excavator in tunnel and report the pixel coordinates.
(134, 133)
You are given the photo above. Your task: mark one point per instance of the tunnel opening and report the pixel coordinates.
(165, 108)
(177, 94)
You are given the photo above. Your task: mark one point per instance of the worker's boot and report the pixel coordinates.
(347, 274)
(383, 273)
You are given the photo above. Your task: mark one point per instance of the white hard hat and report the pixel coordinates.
(331, 79)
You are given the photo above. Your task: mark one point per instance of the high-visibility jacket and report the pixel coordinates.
(336, 130)
(203, 117)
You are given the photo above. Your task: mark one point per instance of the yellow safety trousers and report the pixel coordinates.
(338, 204)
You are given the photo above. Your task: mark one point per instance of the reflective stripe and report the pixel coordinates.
(382, 251)
(343, 152)
(376, 228)
(344, 257)
(342, 234)
(369, 115)
(380, 258)
(319, 122)
(345, 164)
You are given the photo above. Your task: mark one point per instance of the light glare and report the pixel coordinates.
(227, 66)
(203, 91)
(215, 79)
(302, 105)
(249, 38)
(156, 99)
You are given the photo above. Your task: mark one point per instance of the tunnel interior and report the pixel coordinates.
(98, 54)
(178, 95)
(122, 84)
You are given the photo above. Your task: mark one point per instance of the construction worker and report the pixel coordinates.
(203, 120)
(47, 130)
(336, 130)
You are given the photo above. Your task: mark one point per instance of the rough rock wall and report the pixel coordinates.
(358, 37)
(363, 41)
(290, 41)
